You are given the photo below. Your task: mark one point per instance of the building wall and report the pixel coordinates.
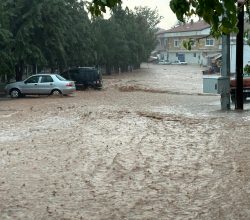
(246, 57)
(200, 50)
(197, 55)
(199, 44)
(203, 52)
(191, 57)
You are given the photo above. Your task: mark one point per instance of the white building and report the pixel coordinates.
(205, 49)
(204, 46)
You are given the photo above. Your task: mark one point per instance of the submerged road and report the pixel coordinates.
(150, 145)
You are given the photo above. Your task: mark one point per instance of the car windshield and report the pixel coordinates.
(61, 78)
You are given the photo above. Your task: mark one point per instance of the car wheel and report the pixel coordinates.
(56, 92)
(15, 93)
(98, 88)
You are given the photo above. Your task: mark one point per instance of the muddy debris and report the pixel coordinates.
(113, 154)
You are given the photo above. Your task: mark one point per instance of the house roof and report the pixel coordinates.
(160, 31)
(192, 26)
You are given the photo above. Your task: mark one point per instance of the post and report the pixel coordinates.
(239, 57)
(225, 95)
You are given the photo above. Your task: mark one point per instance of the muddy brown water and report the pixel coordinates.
(150, 145)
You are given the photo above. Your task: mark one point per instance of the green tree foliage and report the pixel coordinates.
(96, 7)
(222, 15)
(6, 60)
(58, 34)
(211, 11)
(126, 39)
(51, 33)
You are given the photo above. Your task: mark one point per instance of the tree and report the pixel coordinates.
(137, 34)
(126, 38)
(210, 10)
(57, 34)
(224, 17)
(43, 33)
(96, 7)
(6, 60)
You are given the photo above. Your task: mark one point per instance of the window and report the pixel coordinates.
(60, 77)
(46, 79)
(193, 42)
(209, 42)
(74, 72)
(194, 54)
(64, 75)
(165, 43)
(32, 79)
(176, 43)
(162, 42)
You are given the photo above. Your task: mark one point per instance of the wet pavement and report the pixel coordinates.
(150, 145)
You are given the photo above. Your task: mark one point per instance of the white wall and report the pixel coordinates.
(189, 57)
(246, 57)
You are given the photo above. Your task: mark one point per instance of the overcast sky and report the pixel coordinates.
(169, 18)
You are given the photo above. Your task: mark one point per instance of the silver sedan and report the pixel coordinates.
(41, 84)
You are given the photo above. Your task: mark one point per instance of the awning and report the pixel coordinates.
(217, 57)
(213, 55)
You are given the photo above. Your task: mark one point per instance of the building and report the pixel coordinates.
(246, 54)
(205, 48)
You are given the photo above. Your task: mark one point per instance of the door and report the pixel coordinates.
(46, 84)
(181, 57)
(30, 85)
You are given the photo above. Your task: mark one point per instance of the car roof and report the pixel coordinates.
(85, 67)
(45, 74)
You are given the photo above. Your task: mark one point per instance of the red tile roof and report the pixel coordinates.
(192, 26)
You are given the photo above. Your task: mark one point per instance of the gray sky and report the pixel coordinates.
(169, 18)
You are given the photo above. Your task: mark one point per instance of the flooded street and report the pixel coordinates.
(150, 145)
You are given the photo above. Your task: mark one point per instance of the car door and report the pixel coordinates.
(46, 84)
(30, 85)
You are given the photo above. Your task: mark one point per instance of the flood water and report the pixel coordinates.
(150, 145)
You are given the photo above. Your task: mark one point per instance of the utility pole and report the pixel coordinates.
(239, 57)
(225, 73)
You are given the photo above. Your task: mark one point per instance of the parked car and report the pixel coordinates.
(178, 62)
(164, 62)
(41, 84)
(246, 87)
(84, 77)
(153, 59)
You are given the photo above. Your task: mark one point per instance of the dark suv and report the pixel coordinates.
(84, 77)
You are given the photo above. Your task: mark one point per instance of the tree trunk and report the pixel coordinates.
(19, 69)
(108, 69)
(34, 69)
